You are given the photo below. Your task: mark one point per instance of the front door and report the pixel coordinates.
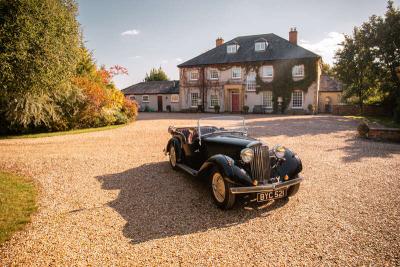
(159, 102)
(235, 102)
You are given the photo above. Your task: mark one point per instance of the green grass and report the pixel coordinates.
(78, 131)
(385, 121)
(17, 203)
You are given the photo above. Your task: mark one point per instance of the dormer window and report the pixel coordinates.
(260, 46)
(232, 48)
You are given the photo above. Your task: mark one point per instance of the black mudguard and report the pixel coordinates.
(178, 148)
(228, 169)
(292, 165)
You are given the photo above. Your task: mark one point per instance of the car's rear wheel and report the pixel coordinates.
(172, 157)
(220, 191)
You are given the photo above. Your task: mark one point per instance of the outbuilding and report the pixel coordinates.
(155, 95)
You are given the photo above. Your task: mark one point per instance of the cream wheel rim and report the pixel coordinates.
(218, 187)
(172, 156)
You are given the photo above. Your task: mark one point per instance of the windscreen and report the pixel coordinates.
(221, 124)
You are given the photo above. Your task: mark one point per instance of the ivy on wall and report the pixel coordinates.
(282, 84)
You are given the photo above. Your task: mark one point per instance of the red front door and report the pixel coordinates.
(159, 102)
(235, 102)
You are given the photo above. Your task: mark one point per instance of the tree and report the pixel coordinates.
(39, 40)
(327, 69)
(368, 60)
(156, 75)
(355, 68)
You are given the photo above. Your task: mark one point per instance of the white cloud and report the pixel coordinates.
(135, 57)
(327, 47)
(130, 32)
(178, 59)
(164, 61)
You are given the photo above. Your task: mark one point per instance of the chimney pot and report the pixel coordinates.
(293, 36)
(219, 41)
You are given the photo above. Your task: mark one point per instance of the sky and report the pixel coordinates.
(140, 35)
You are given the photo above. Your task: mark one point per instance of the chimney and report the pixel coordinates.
(219, 41)
(293, 36)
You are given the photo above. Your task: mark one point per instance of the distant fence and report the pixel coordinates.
(348, 110)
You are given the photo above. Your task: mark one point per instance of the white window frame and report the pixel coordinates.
(132, 97)
(216, 98)
(196, 99)
(175, 98)
(267, 99)
(251, 85)
(193, 77)
(144, 100)
(232, 48)
(239, 71)
(260, 46)
(211, 72)
(298, 71)
(296, 101)
(264, 72)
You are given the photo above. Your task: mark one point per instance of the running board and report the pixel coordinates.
(187, 169)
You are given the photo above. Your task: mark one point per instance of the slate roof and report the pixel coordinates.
(153, 87)
(278, 48)
(329, 84)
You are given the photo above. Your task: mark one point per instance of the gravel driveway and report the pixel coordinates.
(110, 198)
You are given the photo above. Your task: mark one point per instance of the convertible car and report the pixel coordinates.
(219, 149)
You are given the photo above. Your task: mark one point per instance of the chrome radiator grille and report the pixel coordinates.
(260, 163)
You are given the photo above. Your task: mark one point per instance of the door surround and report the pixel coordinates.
(159, 103)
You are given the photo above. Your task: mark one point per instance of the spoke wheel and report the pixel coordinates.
(218, 187)
(221, 190)
(172, 157)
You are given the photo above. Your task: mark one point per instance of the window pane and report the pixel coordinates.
(145, 98)
(194, 99)
(214, 100)
(298, 71)
(297, 99)
(268, 71)
(251, 82)
(194, 75)
(214, 74)
(260, 46)
(267, 99)
(236, 73)
(174, 98)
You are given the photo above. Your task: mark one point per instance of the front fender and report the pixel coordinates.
(175, 142)
(226, 165)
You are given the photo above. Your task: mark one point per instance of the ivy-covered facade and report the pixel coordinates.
(259, 73)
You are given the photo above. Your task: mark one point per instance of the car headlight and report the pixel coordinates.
(246, 155)
(279, 151)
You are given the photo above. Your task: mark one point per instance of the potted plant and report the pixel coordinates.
(245, 109)
(168, 108)
(217, 108)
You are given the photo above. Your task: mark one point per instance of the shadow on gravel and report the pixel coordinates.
(157, 202)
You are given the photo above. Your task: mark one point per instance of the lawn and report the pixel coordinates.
(17, 203)
(78, 131)
(384, 121)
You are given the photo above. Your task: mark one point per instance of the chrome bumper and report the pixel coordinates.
(265, 188)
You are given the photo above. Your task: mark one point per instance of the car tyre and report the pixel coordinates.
(220, 191)
(173, 160)
(291, 191)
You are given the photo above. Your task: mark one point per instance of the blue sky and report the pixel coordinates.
(140, 35)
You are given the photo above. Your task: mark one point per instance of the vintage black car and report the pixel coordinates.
(219, 149)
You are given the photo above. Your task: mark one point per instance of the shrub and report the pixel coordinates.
(217, 108)
(311, 108)
(168, 108)
(245, 109)
(363, 129)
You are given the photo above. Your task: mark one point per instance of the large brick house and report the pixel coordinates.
(249, 71)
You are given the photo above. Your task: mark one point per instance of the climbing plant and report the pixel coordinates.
(282, 84)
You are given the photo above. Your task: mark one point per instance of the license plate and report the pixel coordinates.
(265, 196)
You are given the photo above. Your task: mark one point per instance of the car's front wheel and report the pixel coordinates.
(172, 157)
(220, 191)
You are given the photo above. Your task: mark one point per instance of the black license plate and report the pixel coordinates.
(265, 196)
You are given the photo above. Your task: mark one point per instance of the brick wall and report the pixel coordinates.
(345, 110)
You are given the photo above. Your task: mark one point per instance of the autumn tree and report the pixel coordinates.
(156, 75)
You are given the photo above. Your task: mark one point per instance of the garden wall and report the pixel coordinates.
(348, 110)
